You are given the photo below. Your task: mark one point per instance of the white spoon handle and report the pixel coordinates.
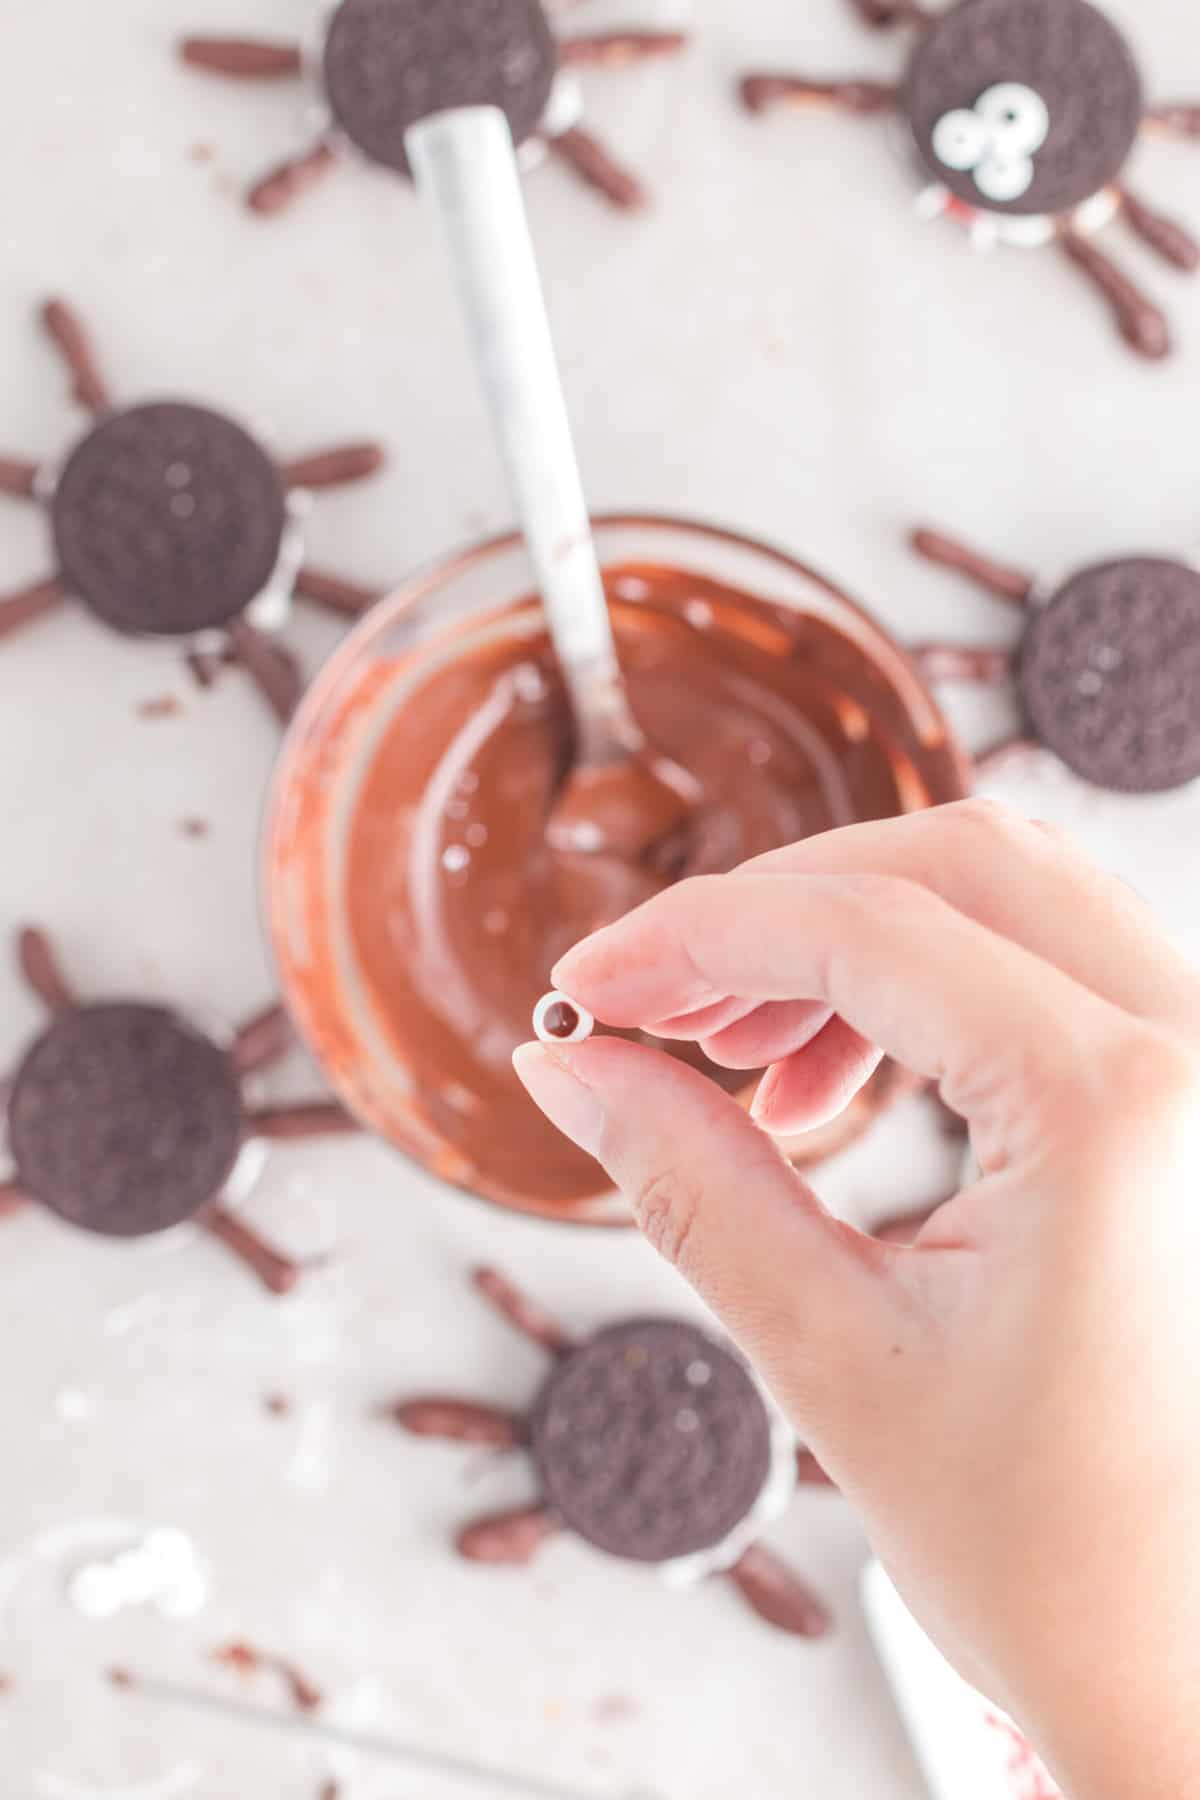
(465, 166)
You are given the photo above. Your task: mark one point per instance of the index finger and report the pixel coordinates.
(946, 996)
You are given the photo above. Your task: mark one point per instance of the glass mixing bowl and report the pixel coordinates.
(440, 614)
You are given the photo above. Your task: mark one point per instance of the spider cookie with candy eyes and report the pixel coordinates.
(1023, 114)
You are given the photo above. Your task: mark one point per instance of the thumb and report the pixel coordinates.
(807, 1297)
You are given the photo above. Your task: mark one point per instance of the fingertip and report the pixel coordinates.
(634, 971)
(817, 1084)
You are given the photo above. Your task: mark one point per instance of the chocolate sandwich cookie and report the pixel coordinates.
(168, 519)
(124, 1119)
(1024, 106)
(1109, 674)
(390, 63)
(651, 1441)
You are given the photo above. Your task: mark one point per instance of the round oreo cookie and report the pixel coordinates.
(651, 1441)
(390, 63)
(1024, 106)
(1109, 673)
(168, 519)
(124, 1120)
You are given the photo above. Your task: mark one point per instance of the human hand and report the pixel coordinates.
(1011, 1403)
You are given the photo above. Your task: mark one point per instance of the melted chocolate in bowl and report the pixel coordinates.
(448, 907)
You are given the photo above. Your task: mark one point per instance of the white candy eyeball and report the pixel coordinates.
(184, 1598)
(564, 109)
(999, 177)
(960, 138)
(169, 1548)
(557, 1019)
(96, 1592)
(1016, 116)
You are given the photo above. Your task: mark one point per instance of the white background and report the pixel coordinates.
(778, 345)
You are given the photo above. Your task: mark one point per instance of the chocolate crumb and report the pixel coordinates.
(305, 1694)
(330, 1790)
(278, 1405)
(162, 706)
(195, 828)
(615, 1709)
(203, 667)
(122, 1678)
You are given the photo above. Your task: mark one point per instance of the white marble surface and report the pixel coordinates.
(778, 345)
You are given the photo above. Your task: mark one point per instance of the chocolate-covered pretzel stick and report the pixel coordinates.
(273, 669)
(1167, 236)
(759, 91)
(346, 598)
(881, 14)
(12, 1199)
(306, 1119)
(289, 180)
(18, 478)
(1182, 117)
(963, 662)
(336, 467)
(460, 1421)
(1142, 324)
(598, 168)
(262, 1040)
(809, 1472)
(246, 59)
(42, 970)
(997, 578)
(524, 1314)
(509, 1537)
(71, 338)
(777, 1594)
(22, 608)
(614, 49)
(279, 1274)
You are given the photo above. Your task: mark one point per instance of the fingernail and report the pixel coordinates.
(587, 956)
(566, 1102)
(622, 983)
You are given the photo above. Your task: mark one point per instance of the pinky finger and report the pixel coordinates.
(817, 1083)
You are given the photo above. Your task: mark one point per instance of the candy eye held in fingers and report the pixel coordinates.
(560, 1020)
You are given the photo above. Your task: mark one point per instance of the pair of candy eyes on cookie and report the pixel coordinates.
(996, 139)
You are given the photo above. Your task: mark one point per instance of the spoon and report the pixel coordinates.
(621, 796)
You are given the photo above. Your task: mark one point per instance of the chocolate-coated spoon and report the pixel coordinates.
(620, 796)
